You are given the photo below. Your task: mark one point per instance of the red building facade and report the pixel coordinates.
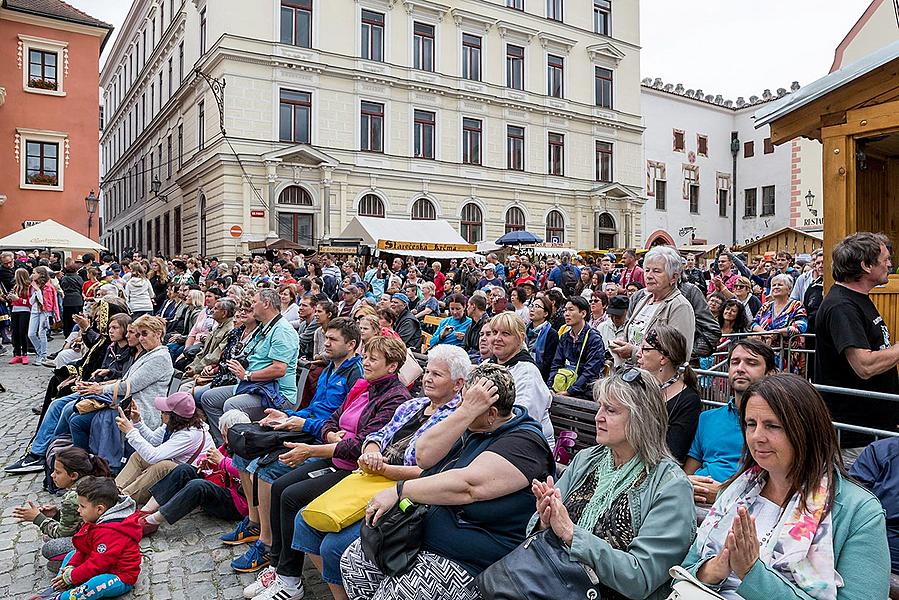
(49, 113)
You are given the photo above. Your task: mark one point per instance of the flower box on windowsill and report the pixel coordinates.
(49, 180)
(43, 84)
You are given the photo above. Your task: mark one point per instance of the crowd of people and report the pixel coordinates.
(313, 401)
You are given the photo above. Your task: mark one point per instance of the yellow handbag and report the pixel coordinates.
(565, 377)
(345, 503)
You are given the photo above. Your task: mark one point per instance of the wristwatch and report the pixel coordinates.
(246, 376)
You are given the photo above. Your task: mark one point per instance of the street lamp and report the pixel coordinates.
(155, 186)
(810, 203)
(91, 203)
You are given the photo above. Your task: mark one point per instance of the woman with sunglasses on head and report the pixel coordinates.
(743, 293)
(664, 354)
(624, 507)
(791, 523)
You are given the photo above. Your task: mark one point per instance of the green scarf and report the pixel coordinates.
(611, 482)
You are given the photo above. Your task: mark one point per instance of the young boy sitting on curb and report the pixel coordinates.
(106, 559)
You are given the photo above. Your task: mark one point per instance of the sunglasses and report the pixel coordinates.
(740, 286)
(632, 375)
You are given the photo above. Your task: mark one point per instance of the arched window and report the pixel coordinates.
(371, 206)
(555, 227)
(606, 231)
(472, 223)
(514, 219)
(423, 210)
(295, 196)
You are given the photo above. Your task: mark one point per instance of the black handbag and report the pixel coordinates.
(540, 568)
(251, 440)
(394, 542)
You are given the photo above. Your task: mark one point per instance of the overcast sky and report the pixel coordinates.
(729, 47)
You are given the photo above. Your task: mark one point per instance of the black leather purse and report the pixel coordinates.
(394, 542)
(540, 568)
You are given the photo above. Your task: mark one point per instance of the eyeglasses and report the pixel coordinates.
(633, 375)
(594, 300)
(740, 286)
(652, 340)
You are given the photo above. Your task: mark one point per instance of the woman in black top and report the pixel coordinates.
(72, 298)
(664, 354)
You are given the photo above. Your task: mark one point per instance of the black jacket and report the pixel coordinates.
(409, 329)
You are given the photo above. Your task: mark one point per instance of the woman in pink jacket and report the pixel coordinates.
(215, 487)
(44, 304)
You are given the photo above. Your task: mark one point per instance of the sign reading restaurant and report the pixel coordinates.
(389, 245)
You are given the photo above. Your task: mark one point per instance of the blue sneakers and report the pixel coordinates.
(255, 558)
(244, 533)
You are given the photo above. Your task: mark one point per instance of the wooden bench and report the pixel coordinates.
(574, 414)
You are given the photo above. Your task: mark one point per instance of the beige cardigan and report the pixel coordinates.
(676, 311)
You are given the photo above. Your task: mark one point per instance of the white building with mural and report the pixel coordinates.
(494, 115)
(700, 152)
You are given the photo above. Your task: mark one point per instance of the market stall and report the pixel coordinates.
(854, 112)
(429, 239)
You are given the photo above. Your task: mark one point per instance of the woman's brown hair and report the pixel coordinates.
(392, 349)
(672, 344)
(806, 421)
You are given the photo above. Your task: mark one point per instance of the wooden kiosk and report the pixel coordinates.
(854, 112)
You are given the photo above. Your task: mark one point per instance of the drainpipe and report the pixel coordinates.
(734, 151)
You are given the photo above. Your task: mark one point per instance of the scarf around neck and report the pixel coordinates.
(801, 549)
(611, 482)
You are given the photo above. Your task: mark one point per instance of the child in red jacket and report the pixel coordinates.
(106, 559)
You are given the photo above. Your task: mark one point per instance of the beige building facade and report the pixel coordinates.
(493, 115)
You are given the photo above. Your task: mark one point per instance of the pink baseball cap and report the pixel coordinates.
(180, 403)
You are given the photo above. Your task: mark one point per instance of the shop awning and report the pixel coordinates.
(49, 234)
(430, 239)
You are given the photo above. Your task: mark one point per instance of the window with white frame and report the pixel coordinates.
(722, 185)
(556, 154)
(554, 10)
(555, 76)
(423, 46)
(515, 220)
(691, 187)
(295, 119)
(555, 227)
(657, 183)
(296, 23)
(602, 17)
(372, 35)
(472, 223)
(515, 148)
(372, 127)
(371, 206)
(44, 65)
(471, 141)
(423, 210)
(42, 159)
(514, 67)
(424, 125)
(602, 79)
(471, 57)
(516, 4)
(604, 157)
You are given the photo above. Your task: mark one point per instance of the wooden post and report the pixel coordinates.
(839, 194)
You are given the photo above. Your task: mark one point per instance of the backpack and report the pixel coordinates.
(568, 279)
(329, 286)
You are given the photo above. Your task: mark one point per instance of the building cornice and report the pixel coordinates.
(50, 22)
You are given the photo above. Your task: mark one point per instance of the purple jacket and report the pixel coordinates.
(384, 397)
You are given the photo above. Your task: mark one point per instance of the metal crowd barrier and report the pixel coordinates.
(717, 393)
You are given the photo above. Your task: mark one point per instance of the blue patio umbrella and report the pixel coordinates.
(518, 238)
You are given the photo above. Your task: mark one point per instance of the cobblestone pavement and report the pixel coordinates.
(185, 560)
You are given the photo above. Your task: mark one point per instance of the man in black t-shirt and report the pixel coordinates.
(853, 342)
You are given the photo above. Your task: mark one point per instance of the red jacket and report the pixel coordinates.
(109, 546)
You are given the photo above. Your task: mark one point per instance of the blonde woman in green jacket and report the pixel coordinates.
(790, 524)
(623, 508)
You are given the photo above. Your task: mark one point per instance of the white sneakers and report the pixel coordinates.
(263, 581)
(276, 590)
